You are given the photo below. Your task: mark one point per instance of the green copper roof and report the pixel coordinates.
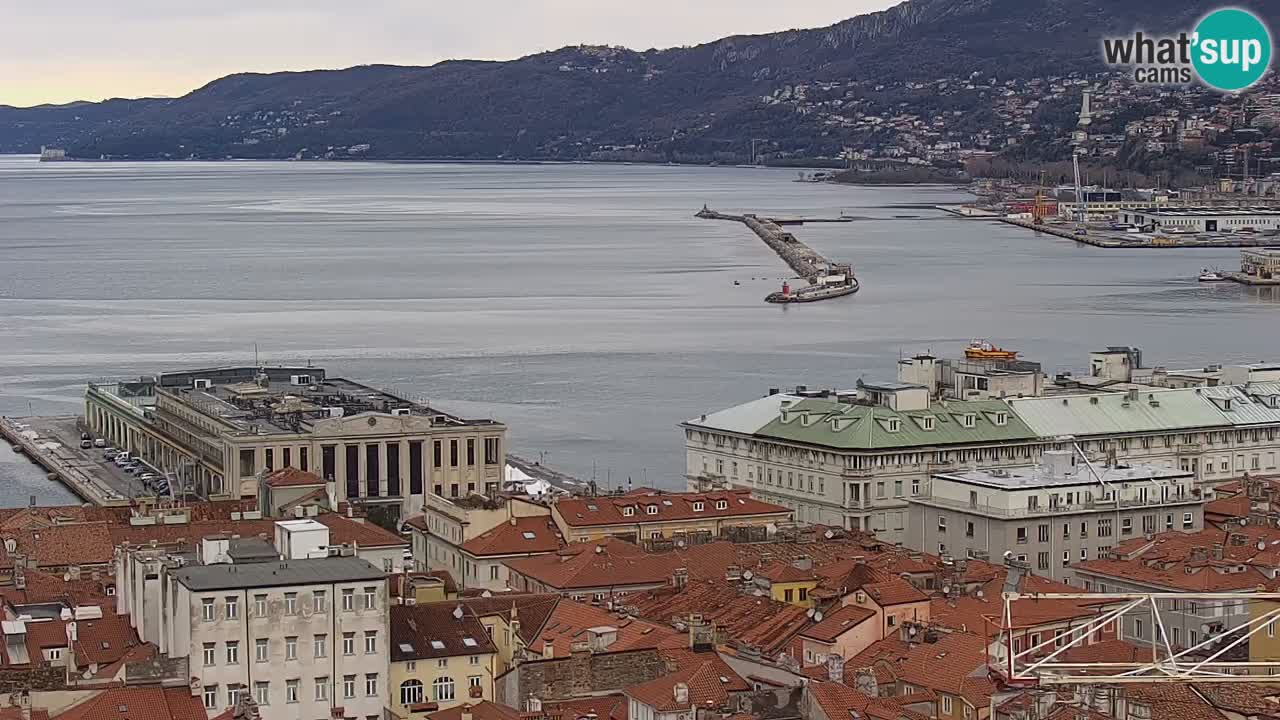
(827, 423)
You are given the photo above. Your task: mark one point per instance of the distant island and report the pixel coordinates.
(910, 94)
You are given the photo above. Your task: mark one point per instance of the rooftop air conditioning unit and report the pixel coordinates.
(335, 412)
(203, 384)
(400, 411)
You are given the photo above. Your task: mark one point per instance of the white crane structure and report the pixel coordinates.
(1079, 138)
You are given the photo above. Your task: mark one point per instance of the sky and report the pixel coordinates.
(54, 51)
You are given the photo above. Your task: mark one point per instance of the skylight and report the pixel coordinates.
(437, 645)
(592, 507)
(469, 642)
(406, 648)
(529, 535)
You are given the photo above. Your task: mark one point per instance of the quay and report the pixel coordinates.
(826, 278)
(33, 438)
(1106, 239)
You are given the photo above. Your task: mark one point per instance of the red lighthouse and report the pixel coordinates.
(786, 289)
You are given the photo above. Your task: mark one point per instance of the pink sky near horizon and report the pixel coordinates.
(83, 50)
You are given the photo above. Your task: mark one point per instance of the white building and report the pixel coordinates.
(303, 635)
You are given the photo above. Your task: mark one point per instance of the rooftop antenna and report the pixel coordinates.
(255, 355)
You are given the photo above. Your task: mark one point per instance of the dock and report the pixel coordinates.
(1107, 239)
(62, 463)
(807, 263)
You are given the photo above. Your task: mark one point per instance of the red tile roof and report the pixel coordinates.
(894, 591)
(137, 703)
(1187, 561)
(1107, 651)
(605, 707)
(657, 506)
(609, 563)
(956, 665)
(1172, 701)
(570, 621)
(839, 701)
(838, 622)
(293, 477)
(483, 710)
(708, 679)
(761, 622)
(518, 536)
(434, 630)
(780, 572)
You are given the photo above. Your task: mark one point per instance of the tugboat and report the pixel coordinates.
(839, 282)
(983, 350)
(1207, 275)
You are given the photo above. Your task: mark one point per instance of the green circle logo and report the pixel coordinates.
(1232, 49)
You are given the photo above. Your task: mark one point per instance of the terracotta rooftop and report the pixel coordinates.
(1212, 560)
(137, 703)
(604, 707)
(483, 710)
(517, 536)
(531, 609)
(609, 563)
(894, 591)
(293, 477)
(956, 664)
(1173, 701)
(781, 572)
(838, 622)
(657, 506)
(759, 621)
(572, 622)
(839, 701)
(708, 678)
(435, 630)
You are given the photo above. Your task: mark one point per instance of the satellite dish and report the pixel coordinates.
(911, 630)
(747, 575)
(980, 594)
(457, 612)
(1262, 544)
(946, 589)
(1008, 554)
(828, 534)
(679, 543)
(810, 612)
(817, 617)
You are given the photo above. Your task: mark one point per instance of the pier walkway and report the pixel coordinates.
(1105, 239)
(64, 464)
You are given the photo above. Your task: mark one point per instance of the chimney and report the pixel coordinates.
(548, 649)
(804, 562)
(466, 711)
(835, 667)
(1217, 551)
(681, 693)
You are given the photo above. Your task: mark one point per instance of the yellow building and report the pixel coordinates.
(441, 657)
(646, 515)
(1264, 646)
(790, 583)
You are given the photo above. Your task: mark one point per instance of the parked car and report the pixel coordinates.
(110, 453)
(100, 443)
(86, 436)
(86, 444)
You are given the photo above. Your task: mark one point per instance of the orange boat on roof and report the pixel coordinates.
(983, 350)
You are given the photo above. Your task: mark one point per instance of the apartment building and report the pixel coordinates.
(302, 636)
(854, 459)
(218, 429)
(441, 657)
(656, 515)
(1052, 515)
(441, 532)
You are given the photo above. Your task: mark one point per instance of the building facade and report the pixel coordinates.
(302, 636)
(1054, 515)
(218, 430)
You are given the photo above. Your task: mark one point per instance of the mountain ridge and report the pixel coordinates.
(577, 102)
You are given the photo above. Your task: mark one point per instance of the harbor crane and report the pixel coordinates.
(1079, 139)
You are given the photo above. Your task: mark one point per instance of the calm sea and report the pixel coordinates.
(583, 305)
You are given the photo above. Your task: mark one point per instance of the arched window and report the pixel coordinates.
(410, 692)
(442, 689)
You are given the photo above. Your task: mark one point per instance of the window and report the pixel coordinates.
(207, 612)
(210, 697)
(946, 699)
(475, 659)
(233, 652)
(348, 686)
(370, 642)
(788, 595)
(233, 607)
(210, 654)
(442, 689)
(651, 509)
(1126, 526)
(1022, 536)
(322, 689)
(370, 598)
(1188, 520)
(473, 681)
(1042, 532)
(453, 453)
(942, 523)
(897, 488)
(291, 648)
(410, 692)
(471, 451)
(320, 601)
(291, 690)
(1084, 554)
(879, 490)
(491, 451)
(1104, 527)
(1066, 557)
(348, 599)
(262, 690)
(968, 529)
(291, 603)
(271, 459)
(320, 645)
(1042, 561)
(260, 650)
(233, 694)
(724, 504)
(628, 511)
(349, 643)
(1137, 628)
(697, 506)
(371, 684)
(260, 605)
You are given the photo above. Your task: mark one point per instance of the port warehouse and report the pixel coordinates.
(220, 429)
(1261, 262)
(855, 459)
(1205, 219)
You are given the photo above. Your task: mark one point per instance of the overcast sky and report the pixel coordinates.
(62, 50)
